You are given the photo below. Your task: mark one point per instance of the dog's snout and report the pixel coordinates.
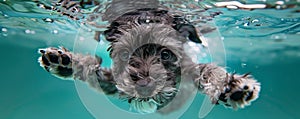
(140, 76)
(143, 82)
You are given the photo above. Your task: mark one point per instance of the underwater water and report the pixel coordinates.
(262, 41)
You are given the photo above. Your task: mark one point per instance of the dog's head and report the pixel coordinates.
(147, 63)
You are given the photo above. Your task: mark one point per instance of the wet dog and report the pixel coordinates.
(150, 64)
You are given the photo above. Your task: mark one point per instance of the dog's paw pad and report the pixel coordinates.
(56, 61)
(65, 59)
(242, 90)
(54, 56)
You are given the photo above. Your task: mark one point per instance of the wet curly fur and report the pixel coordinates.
(149, 65)
(145, 73)
(231, 90)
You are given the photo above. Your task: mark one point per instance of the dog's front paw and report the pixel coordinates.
(56, 61)
(241, 91)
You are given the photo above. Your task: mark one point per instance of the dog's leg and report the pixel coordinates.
(232, 90)
(67, 65)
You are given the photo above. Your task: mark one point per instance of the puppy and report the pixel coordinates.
(150, 64)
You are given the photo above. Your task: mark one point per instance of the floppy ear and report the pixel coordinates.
(187, 30)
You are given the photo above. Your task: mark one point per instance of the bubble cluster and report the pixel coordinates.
(28, 31)
(278, 37)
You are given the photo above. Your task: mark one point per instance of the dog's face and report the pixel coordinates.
(151, 68)
(147, 63)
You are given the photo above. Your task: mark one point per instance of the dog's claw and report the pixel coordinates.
(42, 51)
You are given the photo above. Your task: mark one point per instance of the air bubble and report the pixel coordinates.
(243, 65)
(222, 38)
(81, 38)
(246, 24)
(27, 31)
(279, 2)
(48, 20)
(55, 31)
(4, 30)
(41, 6)
(183, 6)
(255, 20)
(34, 19)
(278, 37)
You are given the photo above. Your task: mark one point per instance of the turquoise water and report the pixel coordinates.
(265, 42)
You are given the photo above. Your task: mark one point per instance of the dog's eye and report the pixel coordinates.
(134, 77)
(167, 55)
(124, 55)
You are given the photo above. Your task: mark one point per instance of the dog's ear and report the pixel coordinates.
(187, 30)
